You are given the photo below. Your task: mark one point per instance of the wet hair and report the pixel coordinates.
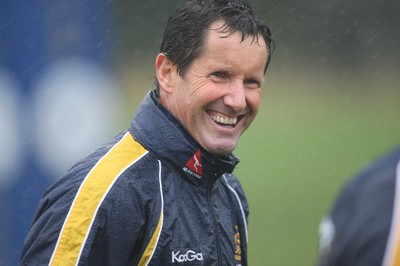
(184, 34)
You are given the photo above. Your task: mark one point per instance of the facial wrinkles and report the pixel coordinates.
(213, 108)
(200, 80)
(203, 79)
(239, 72)
(216, 108)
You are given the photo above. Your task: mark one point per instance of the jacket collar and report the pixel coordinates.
(161, 134)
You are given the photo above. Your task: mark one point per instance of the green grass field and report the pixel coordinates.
(306, 142)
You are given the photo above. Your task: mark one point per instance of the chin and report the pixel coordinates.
(219, 149)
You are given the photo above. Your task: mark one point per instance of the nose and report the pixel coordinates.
(235, 97)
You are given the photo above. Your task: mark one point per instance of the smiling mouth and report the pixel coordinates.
(224, 120)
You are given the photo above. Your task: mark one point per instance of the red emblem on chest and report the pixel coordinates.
(195, 164)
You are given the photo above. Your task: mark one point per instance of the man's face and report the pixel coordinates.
(219, 95)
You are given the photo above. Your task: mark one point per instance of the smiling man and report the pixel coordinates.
(163, 192)
(218, 96)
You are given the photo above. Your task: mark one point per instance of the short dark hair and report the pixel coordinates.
(184, 34)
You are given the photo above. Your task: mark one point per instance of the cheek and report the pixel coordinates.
(254, 100)
(204, 93)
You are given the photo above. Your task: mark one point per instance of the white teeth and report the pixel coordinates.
(224, 120)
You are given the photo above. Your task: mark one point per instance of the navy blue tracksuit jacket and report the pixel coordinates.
(151, 196)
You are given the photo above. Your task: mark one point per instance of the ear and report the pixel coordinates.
(166, 72)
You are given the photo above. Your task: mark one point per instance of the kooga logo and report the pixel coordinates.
(190, 255)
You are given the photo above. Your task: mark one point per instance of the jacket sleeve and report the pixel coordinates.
(61, 233)
(47, 222)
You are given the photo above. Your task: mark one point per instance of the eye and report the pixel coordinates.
(219, 75)
(252, 83)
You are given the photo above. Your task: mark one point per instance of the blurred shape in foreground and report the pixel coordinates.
(364, 226)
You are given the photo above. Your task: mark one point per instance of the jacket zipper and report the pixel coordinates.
(214, 219)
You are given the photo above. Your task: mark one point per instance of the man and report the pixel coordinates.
(364, 225)
(162, 192)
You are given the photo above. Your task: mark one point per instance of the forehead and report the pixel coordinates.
(222, 45)
(219, 27)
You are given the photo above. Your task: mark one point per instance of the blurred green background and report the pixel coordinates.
(331, 104)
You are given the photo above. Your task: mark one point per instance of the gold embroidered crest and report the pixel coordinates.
(238, 250)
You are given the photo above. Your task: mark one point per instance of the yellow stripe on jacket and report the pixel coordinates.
(90, 196)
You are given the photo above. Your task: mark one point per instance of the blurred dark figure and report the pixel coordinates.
(363, 227)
